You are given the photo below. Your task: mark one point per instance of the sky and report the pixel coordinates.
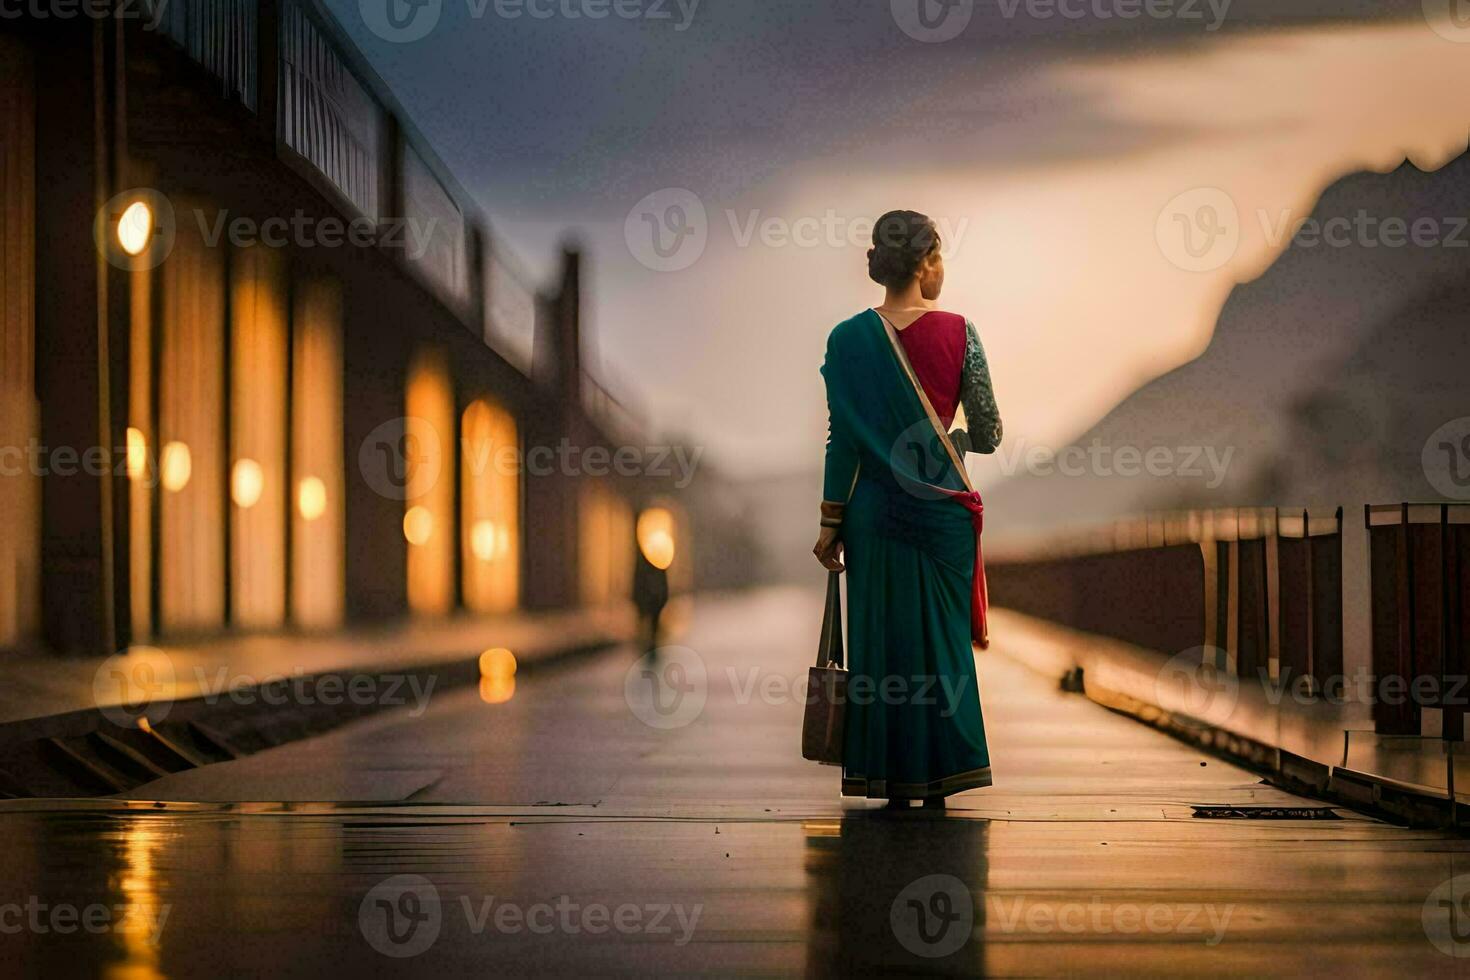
(1103, 171)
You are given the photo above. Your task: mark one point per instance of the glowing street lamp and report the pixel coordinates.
(135, 228)
(656, 536)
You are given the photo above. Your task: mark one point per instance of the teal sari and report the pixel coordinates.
(915, 582)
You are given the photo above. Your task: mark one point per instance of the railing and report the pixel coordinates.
(1420, 557)
(1261, 585)
(337, 124)
(1244, 612)
(326, 114)
(510, 310)
(219, 34)
(619, 422)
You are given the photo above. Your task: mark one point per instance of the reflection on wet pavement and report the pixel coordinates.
(603, 845)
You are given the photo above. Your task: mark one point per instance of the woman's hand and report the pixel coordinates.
(828, 548)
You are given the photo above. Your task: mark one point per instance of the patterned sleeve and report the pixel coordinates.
(981, 413)
(841, 469)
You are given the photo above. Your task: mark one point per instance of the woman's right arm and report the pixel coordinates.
(840, 472)
(838, 478)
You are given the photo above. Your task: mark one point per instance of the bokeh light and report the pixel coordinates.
(418, 525)
(311, 498)
(137, 454)
(177, 465)
(247, 483)
(135, 228)
(497, 675)
(656, 536)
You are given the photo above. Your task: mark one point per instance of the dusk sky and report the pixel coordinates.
(1064, 156)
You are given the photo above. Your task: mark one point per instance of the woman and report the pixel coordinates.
(900, 515)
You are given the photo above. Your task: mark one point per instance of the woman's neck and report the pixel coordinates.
(910, 297)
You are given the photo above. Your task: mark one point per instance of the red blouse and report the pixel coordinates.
(935, 344)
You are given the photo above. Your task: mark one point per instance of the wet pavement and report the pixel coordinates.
(597, 819)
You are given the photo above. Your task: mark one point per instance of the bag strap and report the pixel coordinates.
(829, 648)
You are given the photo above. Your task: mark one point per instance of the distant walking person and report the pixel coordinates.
(900, 514)
(651, 575)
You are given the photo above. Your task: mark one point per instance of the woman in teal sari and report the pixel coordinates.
(899, 514)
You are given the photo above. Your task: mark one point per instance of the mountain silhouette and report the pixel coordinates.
(1322, 382)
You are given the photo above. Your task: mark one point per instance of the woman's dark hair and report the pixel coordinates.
(901, 241)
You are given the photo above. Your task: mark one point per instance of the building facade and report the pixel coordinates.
(264, 364)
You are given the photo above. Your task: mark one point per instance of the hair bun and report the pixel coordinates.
(901, 242)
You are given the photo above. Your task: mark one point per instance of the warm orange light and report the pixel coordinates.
(135, 228)
(418, 525)
(137, 454)
(482, 540)
(247, 483)
(656, 536)
(177, 466)
(311, 498)
(498, 662)
(497, 690)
